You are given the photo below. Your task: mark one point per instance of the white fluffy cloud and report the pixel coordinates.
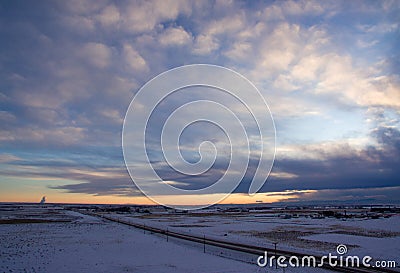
(143, 16)
(133, 59)
(218, 31)
(205, 44)
(175, 36)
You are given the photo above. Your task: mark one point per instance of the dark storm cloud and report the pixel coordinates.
(369, 168)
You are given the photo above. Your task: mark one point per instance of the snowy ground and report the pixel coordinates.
(378, 238)
(90, 245)
(66, 241)
(51, 239)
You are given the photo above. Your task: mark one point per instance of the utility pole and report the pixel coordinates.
(204, 244)
(276, 258)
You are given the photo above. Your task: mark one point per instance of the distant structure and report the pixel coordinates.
(43, 200)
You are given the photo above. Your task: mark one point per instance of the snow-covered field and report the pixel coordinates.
(54, 239)
(87, 244)
(378, 238)
(50, 239)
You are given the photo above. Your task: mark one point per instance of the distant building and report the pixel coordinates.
(43, 200)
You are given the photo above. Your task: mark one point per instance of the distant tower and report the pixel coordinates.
(43, 200)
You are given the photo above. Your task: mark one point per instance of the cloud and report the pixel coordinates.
(307, 68)
(133, 59)
(283, 175)
(319, 167)
(109, 16)
(97, 174)
(101, 182)
(144, 16)
(217, 32)
(356, 196)
(7, 117)
(328, 71)
(78, 7)
(335, 166)
(380, 28)
(303, 7)
(205, 44)
(5, 158)
(63, 136)
(366, 44)
(97, 54)
(113, 115)
(175, 36)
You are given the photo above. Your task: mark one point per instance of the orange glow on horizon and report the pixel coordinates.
(80, 198)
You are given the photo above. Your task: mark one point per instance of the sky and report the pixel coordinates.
(329, 71)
